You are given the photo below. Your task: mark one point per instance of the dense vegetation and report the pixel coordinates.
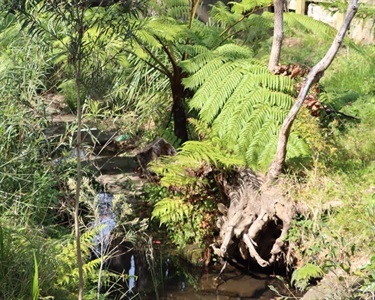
(154, 69)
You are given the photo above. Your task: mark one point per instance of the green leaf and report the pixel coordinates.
(35, 286)
(122, 137)
(301, 276)
(243, 102)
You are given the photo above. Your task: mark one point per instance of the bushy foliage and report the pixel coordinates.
(34, 189)
(239, 105)
(24, 150)
(193, 181)
(339, 225)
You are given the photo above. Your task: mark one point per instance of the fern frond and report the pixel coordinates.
(201, 128)
(193, 50)
(171, 210)
(243, 101)
(266, 134)
(210, 152)
(147, 37)
(234, 51)
(297, 146)
(300, 277)
(309, 25)
(205, 34)
(225, 53)
(249, 5)
(174, 170)
(239, 106)
(225, 79)
(222, 15)
(179, 171)
(178, 9)
(267, 152)
(91, 266)
(211, 63)
(155, 29)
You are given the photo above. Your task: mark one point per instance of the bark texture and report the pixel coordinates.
(258, 217)
(315, 74)
(278, 35)
(256, 221)
(178, 108)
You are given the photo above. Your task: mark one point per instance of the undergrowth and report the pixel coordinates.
(337, 234)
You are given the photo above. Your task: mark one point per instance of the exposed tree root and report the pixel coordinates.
(255, 209)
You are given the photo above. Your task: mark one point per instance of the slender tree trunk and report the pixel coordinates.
(278, 35)
(78, 189)
(313, 77)
(77, 65)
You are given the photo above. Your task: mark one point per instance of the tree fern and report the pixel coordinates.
(210, 152)
(191, 175)
(223, 54)
(216, 90)
(222, 15)
(243, 102)
(205, 34)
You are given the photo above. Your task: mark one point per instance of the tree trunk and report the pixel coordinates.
(178, 108)
(278, 35)
(313, 77)
(77, 65)
(258, 217)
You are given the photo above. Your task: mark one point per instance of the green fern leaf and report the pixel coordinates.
(309, 25)
(243, 101)
(249, 5)
(300, 277)
(171, 210)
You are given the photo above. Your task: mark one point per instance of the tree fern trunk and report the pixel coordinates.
(278, 35)
(313, 77)
(178, 108)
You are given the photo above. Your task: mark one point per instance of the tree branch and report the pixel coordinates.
(163, 69)
(313, 77)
